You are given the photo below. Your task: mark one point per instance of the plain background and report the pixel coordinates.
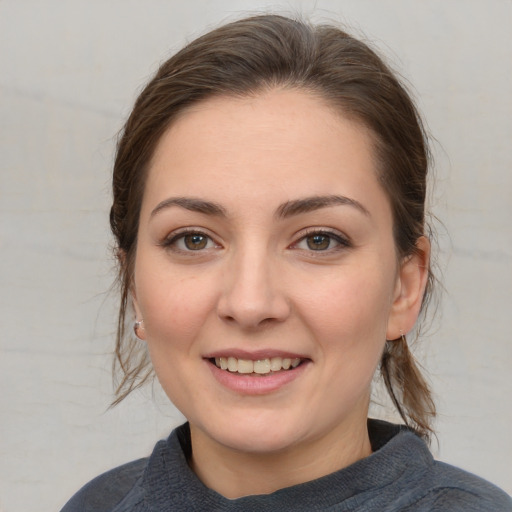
(69, 72)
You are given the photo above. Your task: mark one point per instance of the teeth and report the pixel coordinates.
(232, 364)
(245, 366)
(276, 363)
(261, 367)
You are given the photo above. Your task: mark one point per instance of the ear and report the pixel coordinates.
(132, 295)
(138, 326)
(410, 287)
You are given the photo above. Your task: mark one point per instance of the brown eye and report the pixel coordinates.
(189, 241)
(322, 241)
(195, 241)
(318, 242)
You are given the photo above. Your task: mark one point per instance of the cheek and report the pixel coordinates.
(175, 310)
(350, 312)
(174, 307)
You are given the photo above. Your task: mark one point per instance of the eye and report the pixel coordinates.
(318, 242)
(321, 241)
(189, 241)
(195, 241)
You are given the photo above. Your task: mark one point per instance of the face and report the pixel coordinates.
(266, 272)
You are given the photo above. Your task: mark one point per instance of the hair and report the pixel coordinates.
(244, 58)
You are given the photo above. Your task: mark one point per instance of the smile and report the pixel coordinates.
(258, 373)
(258, 367)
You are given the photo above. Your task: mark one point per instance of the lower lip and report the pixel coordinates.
(252, 384)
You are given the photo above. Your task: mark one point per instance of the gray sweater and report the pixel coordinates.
(400, 475)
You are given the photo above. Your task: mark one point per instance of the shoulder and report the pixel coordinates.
(131, 487)
(106, 491)
(422, 484)
(451, 489)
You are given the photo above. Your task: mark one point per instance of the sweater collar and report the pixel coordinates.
(170, 484)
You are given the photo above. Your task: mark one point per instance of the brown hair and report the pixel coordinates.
(242, 58)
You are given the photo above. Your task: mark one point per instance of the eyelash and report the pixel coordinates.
(341, 241)
(172, 241)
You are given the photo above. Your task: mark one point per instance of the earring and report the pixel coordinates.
(136, 326)
(402, 338)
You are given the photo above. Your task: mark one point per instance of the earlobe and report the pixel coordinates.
(139, 331)
(411, 283)
(138, 326)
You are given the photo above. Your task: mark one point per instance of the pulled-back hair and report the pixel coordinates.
(244, 58)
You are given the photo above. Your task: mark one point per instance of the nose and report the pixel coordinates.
(252, 296)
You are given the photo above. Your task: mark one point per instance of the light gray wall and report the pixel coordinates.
(69, 70)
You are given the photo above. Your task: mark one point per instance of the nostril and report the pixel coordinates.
(251, 307)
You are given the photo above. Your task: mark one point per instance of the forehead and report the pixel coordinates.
(284, 143)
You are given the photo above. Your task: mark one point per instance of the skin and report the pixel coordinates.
(256, 285)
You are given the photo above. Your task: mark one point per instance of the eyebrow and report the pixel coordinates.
(286, 210)
(309, 204)
(193, 204)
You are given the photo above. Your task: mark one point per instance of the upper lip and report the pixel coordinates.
(253, 355)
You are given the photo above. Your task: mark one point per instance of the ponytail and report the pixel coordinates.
(407, 387)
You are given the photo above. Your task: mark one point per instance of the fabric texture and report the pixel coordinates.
(400, 475)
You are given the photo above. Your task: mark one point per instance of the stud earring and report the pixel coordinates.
(401, 339)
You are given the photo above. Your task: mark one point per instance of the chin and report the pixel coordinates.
(261, 435)
(258, 444)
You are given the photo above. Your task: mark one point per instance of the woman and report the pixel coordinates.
(269, 212)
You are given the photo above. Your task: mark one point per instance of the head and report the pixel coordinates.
(249, 58)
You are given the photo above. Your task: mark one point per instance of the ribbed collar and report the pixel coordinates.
(171, 485)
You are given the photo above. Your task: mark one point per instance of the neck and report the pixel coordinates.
(234, 473)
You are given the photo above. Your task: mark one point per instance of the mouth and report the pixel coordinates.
(258, 368)
(256, 373)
